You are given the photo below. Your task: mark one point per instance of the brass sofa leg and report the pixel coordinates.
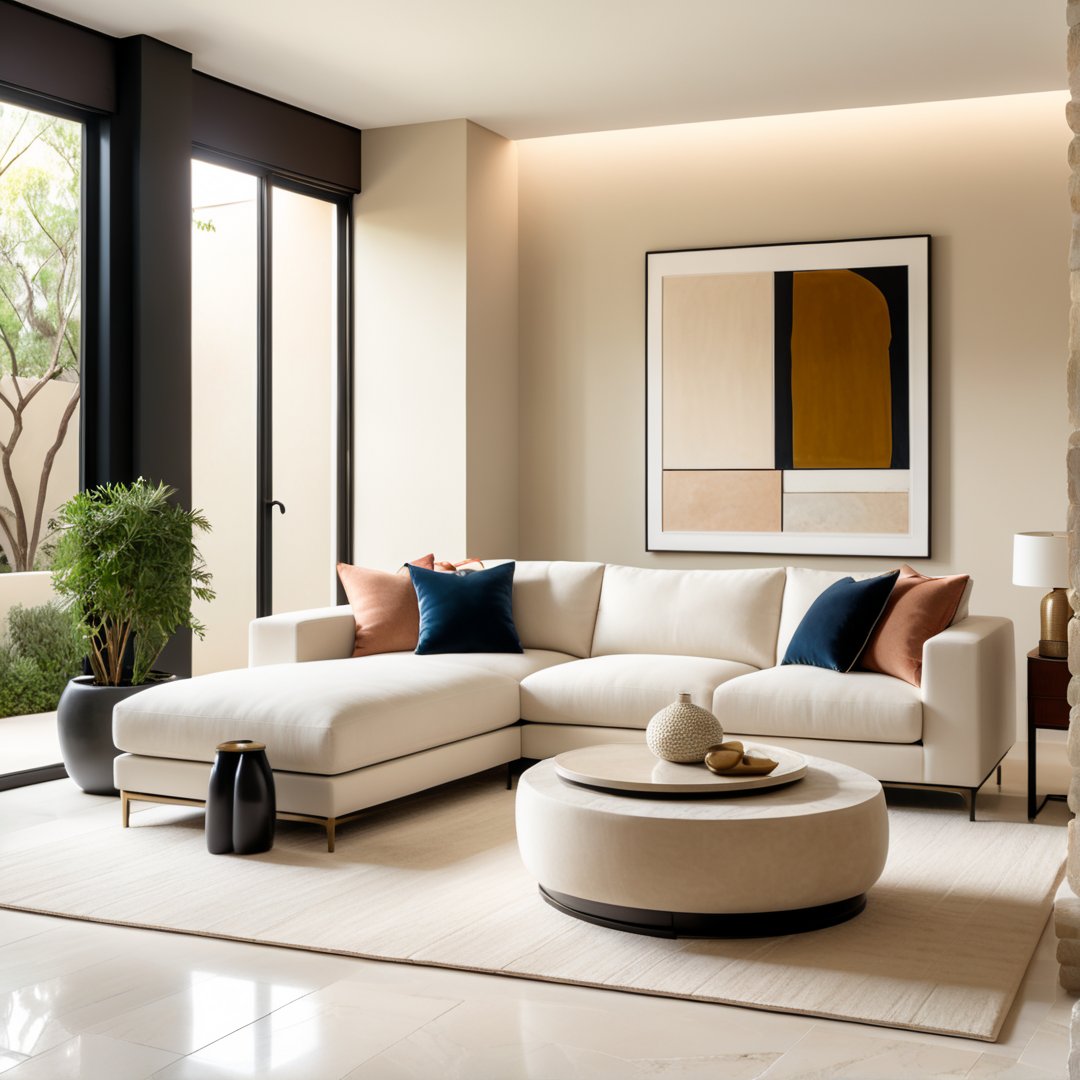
(331, 824)
(125, 808)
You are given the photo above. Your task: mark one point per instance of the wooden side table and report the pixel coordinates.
(1048, 707)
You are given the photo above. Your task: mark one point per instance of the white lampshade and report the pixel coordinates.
(1041, 559)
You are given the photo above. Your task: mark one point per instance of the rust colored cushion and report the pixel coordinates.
(384, 606)
(918, 608)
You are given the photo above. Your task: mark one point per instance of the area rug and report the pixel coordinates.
(942, 945)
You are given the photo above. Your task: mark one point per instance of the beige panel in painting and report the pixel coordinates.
(718, 371)
(704, 501)
(817, 480)
(847, 512)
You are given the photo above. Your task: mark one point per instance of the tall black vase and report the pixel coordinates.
(241, 805)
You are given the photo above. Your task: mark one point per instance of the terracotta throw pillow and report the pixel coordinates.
(918, 608)
(384, 606)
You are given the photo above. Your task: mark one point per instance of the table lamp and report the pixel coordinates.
(1042, 559)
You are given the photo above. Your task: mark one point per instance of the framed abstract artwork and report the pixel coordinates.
(788, 398)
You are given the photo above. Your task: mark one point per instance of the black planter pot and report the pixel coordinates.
(84, 724)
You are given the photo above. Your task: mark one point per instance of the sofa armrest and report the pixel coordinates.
(295, 636)
(969, 700)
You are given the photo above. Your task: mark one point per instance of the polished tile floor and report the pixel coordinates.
(99, 1002)
(28, 742)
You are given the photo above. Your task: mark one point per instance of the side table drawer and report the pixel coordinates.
(1048, 678)
(1048, 713)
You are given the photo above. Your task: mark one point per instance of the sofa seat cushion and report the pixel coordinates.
(621, 691)
(513, 665)
(325, 717)
(815, 703)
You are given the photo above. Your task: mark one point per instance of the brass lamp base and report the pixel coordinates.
(1055, 613)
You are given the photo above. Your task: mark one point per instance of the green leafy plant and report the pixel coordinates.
(127, 567)
(41, 653)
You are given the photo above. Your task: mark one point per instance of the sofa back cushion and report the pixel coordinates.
(555, 603)
(725, 614)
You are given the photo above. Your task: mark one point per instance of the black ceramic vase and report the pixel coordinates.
(84, 724)
(241, 805)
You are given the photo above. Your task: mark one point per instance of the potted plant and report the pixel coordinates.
(127, 568)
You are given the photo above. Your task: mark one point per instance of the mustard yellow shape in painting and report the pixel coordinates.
(841, 391)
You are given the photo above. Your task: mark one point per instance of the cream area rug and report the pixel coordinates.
(436, 879)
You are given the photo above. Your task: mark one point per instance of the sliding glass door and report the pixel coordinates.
(270, 377)
(41, 169)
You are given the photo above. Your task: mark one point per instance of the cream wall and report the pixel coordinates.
(491, 337)
(986, 178)
(436, 371)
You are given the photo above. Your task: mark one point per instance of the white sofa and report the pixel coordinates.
(605, 648)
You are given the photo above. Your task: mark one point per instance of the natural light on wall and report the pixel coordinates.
(224, 326)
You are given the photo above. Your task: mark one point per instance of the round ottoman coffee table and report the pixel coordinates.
(780, 860)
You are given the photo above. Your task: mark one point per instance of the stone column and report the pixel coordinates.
(1072, 115)
(1067, 905)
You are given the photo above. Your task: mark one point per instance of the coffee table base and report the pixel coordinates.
(673, 924)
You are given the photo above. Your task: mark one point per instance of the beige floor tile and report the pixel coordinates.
(613, 1035)
(826, 1054)
(39, 1016)
(28, 742)
(47, 956)
(995, 1067)
(92, 1057)
(317, 1036)
(204, 1012)
(1048, 1047)
(9, 1059)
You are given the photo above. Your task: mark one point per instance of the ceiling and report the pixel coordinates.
(527, 68)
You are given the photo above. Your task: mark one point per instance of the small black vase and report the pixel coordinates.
(240, 801)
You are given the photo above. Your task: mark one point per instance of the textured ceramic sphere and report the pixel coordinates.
(682, 732)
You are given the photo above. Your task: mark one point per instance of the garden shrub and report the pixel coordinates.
(41, 652)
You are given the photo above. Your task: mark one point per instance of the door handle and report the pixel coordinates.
(278, 503)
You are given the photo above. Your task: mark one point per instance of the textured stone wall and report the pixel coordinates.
(1067, 906)
(1072, 115)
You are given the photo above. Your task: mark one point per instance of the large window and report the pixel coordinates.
(40, 250)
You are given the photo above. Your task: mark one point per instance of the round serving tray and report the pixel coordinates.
(634, 769)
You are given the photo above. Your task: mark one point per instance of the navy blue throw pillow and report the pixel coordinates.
(465, 613)
(835, 630)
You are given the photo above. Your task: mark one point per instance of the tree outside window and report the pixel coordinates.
(40, 164)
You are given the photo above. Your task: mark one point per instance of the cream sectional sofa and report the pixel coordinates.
(605, 648)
